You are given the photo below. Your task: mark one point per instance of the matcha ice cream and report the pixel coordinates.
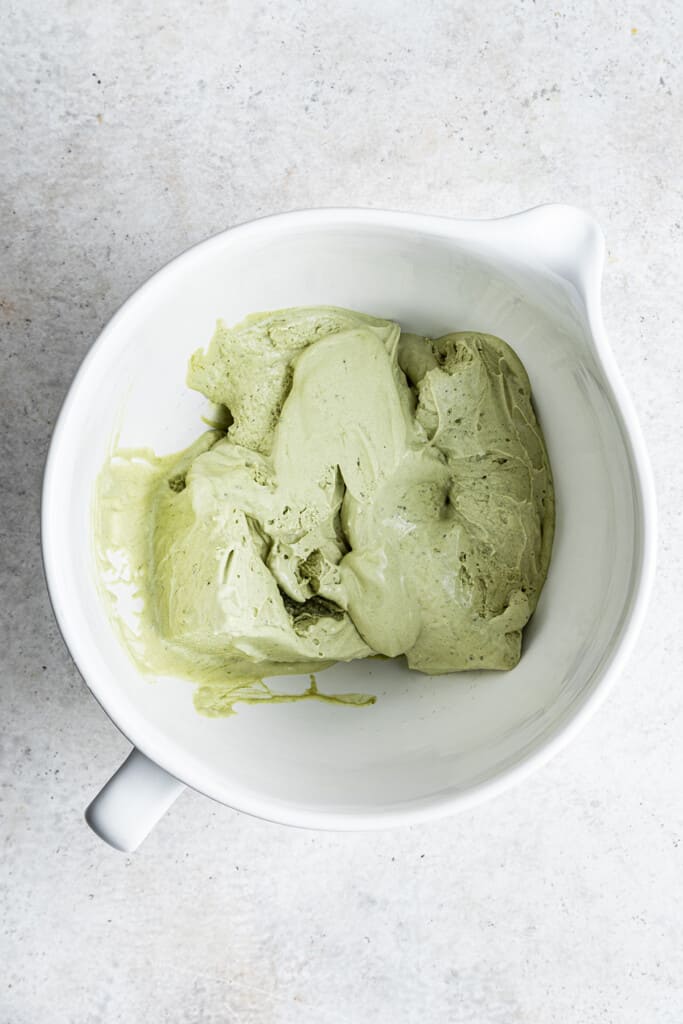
(374, 493)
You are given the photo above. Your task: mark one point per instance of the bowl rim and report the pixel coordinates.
(167, 753)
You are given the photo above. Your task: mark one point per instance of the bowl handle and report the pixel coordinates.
(128, 807)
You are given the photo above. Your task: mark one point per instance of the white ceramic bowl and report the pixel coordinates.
(429, 745)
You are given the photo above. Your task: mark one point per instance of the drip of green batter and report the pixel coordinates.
(219, 700)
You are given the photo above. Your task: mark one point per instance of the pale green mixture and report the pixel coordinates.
(375, 493)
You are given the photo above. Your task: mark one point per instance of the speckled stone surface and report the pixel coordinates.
(132, 130)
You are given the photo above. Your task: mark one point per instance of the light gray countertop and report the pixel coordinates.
(131, 131)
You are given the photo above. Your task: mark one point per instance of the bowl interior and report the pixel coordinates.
(426, 739)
